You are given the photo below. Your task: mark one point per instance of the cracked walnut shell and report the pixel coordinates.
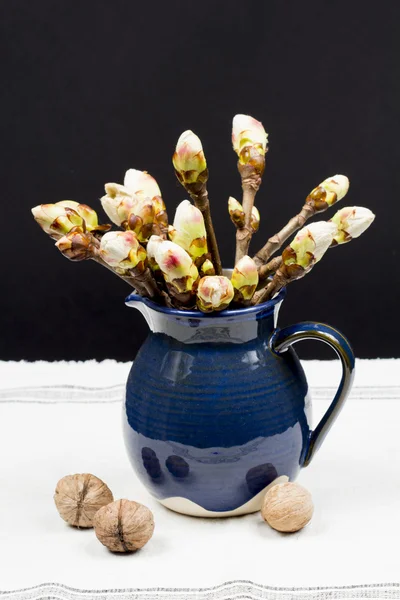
(79, 497)
(124, 525)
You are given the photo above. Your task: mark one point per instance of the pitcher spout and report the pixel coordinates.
(141, 304)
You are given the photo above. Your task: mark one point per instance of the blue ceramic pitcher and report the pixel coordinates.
(217, 405)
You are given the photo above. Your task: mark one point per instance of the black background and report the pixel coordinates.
(92, 88)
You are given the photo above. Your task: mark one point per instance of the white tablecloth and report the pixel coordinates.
(62, 418)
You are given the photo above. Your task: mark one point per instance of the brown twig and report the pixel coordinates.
(267, 292)
(201, 201)
(316, 202)
(140, 277)
(276, 241)
(280, 280)
(145, 278)
(283, 276)
(85, 246)
(251, 181)
(270, 268)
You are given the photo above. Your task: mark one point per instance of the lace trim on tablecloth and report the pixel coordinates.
(233, 590)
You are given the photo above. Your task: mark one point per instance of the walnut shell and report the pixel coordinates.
(79, 497)
(287, 507)
(124, 525)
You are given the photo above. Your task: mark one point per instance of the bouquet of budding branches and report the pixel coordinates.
(178, 265)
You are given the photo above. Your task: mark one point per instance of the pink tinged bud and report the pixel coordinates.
(57, 220)
(245, 278)
(189, 160)
(141, 184)
(121, 250)
(310, 244)
(117, 202)
(86, 212)
(189, 230)
(175, 263)
(214, 293)
(351, 222)
(247, 132)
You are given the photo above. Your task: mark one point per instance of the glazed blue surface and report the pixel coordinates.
(213, 411)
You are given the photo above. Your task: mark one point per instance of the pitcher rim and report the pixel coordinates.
(267, 306)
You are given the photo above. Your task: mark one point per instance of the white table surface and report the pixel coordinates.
(48, 432)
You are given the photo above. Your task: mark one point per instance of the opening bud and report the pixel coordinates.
(57, 220)
(214, 293)
(87, 213)
(122, 251)
(117, 203)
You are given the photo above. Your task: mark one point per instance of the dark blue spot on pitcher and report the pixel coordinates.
(257, 478)
(151, 463)
(177, 466)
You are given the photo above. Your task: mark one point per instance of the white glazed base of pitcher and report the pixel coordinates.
(187, 507)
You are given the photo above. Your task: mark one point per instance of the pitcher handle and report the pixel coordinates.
(284, 338)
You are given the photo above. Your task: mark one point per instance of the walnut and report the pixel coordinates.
(79, 497)
(287, 507)
(124, 525)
